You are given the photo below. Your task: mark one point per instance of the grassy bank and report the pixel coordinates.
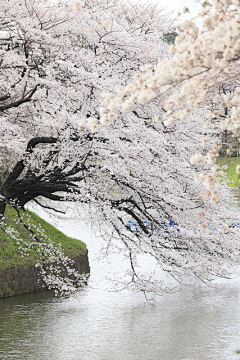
(232, 179)
(10, 256)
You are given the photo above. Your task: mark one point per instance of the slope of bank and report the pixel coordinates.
(18, 273)
(232, 178)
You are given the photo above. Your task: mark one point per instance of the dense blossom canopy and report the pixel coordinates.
(204, 68)
(56, 60)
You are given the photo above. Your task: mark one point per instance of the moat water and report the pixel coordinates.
(97, 323)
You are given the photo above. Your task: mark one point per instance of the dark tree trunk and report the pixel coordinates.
(21, 190)
(2, 208)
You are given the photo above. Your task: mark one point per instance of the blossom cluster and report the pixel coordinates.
(203, 68)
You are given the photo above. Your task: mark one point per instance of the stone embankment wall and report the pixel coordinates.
(25, 279)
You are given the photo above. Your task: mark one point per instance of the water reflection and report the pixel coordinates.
(195, 323)
(95, 324)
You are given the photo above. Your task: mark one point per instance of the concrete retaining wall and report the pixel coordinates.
(25, 279)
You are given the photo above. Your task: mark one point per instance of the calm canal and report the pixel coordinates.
(196, 323)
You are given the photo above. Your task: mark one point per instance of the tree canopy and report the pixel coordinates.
(203, 73)
(56, 60)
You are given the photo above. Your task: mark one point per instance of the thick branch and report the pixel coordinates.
(20, 101)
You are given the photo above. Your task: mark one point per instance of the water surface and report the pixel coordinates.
(196, 323)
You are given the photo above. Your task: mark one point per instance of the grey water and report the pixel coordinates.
(98, 323)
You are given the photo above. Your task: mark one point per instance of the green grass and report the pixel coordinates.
(11, 256)
(232, 179)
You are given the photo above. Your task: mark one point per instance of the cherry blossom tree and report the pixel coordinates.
(203, 72)
(55, 62)
(132, 177)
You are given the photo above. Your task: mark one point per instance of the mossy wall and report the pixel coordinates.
(25, 279)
